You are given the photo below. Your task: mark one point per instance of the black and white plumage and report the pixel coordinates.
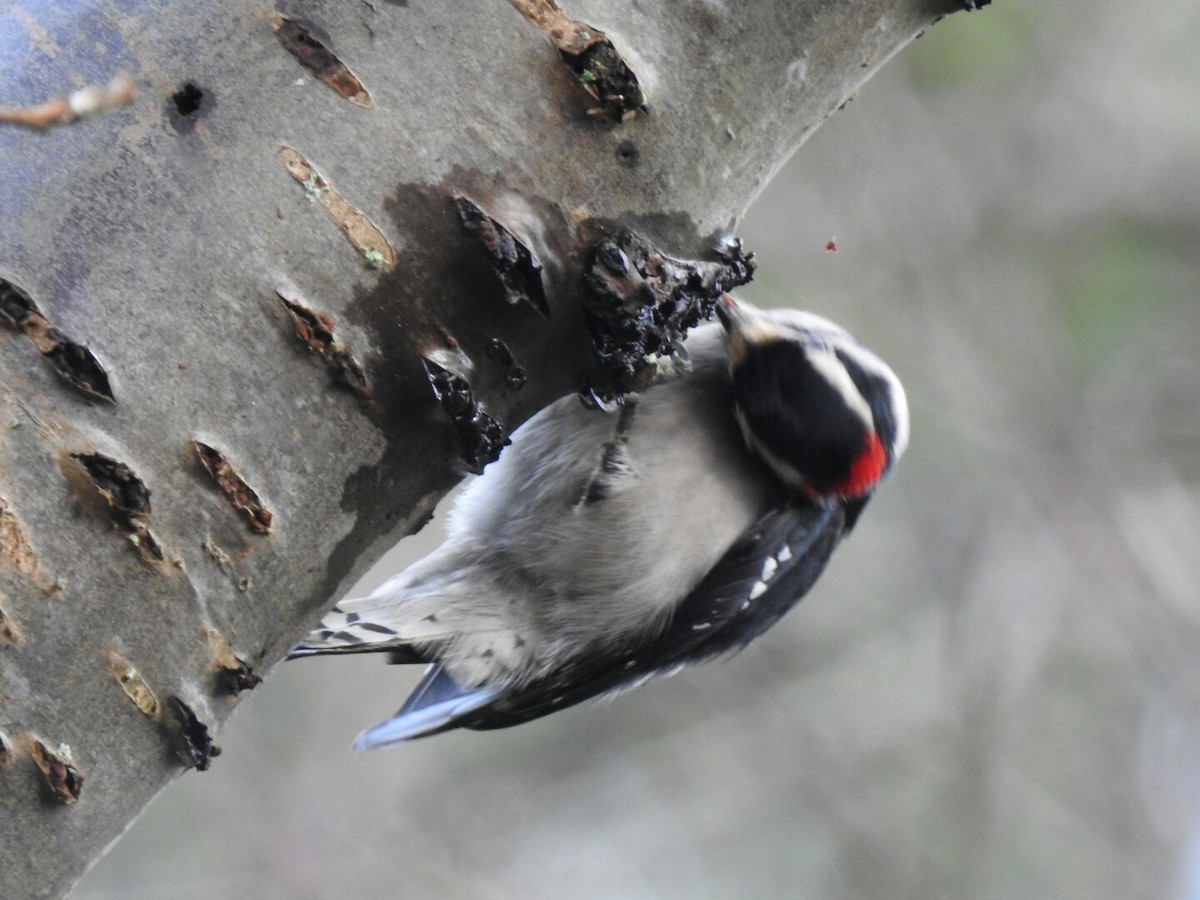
(602, 550)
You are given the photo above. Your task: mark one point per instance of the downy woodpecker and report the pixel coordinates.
(602, 550)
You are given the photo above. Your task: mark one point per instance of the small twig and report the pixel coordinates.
(86, 101)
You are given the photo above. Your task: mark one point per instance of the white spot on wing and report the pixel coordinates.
(768, 569)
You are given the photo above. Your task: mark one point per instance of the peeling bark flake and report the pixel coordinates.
(375, 249)
(190, 738)
(641, 303)
(592, 58)
(234, 487)
(125, 492)
(232, 673)
(315, 331)
(7, 754)
(127, 498)
(132, 683)
(74, 362)
(14, 546)
(9, 632)
(516, 266)
(314, 50)
(481, 436)
(62, 779)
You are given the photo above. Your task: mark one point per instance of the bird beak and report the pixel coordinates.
(725, 307)
(744, 326)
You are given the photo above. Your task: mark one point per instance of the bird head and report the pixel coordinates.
(821, 410)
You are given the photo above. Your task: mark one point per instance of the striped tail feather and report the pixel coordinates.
(349, 631)
(410, 614)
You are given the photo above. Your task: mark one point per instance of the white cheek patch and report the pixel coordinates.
(787, 473)
(873, 365)
(832, 370)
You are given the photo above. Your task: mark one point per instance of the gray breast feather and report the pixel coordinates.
(665, 479)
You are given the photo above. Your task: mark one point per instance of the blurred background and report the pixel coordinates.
(994, 692)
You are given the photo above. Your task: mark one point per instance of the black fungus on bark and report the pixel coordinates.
(513, 374)
(481, 436)
(190, 738)
(640, 304)
(74, 362)
(516, 266)
(237, 678)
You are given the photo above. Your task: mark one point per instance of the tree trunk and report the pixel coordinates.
(215, 302)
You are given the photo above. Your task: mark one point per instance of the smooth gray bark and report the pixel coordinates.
(163, 242)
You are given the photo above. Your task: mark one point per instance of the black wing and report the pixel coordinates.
(760, 578)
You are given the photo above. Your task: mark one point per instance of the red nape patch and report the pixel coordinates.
(866, 470)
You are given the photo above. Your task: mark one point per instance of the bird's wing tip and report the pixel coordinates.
(437, 704)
